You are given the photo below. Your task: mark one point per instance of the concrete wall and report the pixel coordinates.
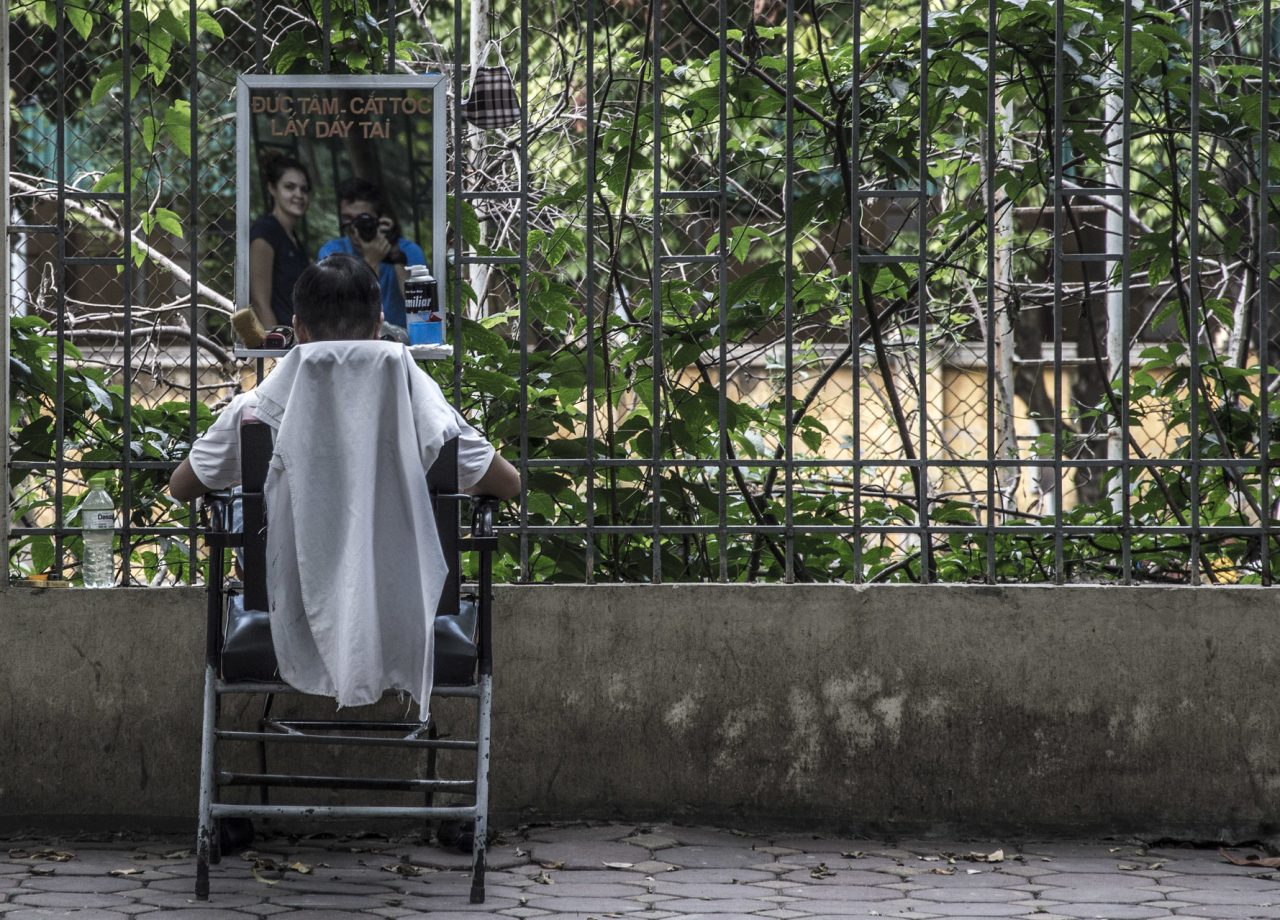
(1073, 709)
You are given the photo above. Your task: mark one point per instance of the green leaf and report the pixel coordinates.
(177, 125)
(80, 18)
(205, 22)
(107, 79)
(150, 130)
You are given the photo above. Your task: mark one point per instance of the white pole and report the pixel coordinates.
(1114, 245)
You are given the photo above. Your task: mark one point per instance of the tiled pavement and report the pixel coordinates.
(646, 873)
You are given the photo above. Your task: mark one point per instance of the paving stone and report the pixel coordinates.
(1112, 911)
(954, 894)
(652, 915)
(589, 905)
(1086, 879)
(839, 876)
(1112, 894)
(714, 837)
(567, 886)
(577, 833)
(524, 912)
(652, 841)
(312, 913)
(819, 844)
(586, 854)
(171, 900)
(653, 867)
(902, 907)
(864, 893)
(70, 900)
(1269, 899)
(1230, 912)
(783, 914)
(780, 851)
(1227, 882)
(711, 890)
(710, 857)
(50, 913)
(721, 877)
(719, 906)
(99, 884)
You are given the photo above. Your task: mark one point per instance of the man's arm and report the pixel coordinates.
(501, 480)
(184, 484)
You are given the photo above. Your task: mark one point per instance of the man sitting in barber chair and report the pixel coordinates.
(354, 566)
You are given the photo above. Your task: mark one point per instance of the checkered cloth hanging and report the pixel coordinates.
(492, 101)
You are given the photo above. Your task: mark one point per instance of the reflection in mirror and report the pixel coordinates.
(335, 165)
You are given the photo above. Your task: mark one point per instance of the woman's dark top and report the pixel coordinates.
(287, 264)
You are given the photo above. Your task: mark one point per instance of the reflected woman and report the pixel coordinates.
(276, 258)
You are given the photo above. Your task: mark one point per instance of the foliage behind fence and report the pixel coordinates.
(776, 292)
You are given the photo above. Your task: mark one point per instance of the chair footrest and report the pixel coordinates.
(461, 813)
(346, 782)
(440, 744)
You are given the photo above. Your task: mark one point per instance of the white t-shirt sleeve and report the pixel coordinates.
(474, 454)
(215, 456)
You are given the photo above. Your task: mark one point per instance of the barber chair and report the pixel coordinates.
(239, 659)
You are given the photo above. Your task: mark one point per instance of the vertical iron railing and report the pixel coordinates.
(892, 349)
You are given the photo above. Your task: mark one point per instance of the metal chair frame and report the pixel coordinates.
(413, 735)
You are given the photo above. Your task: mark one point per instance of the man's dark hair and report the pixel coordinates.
(338, 298)
(357, 189)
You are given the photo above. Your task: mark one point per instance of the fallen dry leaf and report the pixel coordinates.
(124, 873)
(1128, 867)
(521, 854)
(300, 867)
(1257, 862)
(46, 855)
(972, 871)
(943, 870)
(994, 856)
(821, 871)
(856, 854)
(608, 865)
(178, 854)
(404, 869)
(257, 874)
(543, 879)
(549, 864)
(40, 870)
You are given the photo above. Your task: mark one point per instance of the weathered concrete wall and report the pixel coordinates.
(997, 709)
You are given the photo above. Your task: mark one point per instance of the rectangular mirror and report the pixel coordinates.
(337, 164)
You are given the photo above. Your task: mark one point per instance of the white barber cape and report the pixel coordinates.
(354, 566)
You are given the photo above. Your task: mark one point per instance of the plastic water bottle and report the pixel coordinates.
(97, 524)
(422, 321)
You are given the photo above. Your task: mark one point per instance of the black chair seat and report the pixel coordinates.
(249, 656)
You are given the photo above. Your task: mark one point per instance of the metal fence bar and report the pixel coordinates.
(722, 295)
(1266, 241)
(923, 510)
(655, 298)
(788, 293)
(126, 459)
(856, 193)
(989, 153)
(523, 289)
(1058, 141)
(60, 295)
(1126, 280)
(589, 290)
(193, 249)
(1193, 290)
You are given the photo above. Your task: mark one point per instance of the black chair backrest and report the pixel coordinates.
(256, 446)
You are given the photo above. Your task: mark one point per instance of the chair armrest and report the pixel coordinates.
(483, 536)
(215, 519)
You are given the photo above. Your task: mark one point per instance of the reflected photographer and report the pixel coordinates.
(371, 234)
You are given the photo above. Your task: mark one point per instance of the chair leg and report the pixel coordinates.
(433, 732)
(205, 831)
(264, 792)
(481, 839)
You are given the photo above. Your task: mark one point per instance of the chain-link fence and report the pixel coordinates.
(797, 291)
